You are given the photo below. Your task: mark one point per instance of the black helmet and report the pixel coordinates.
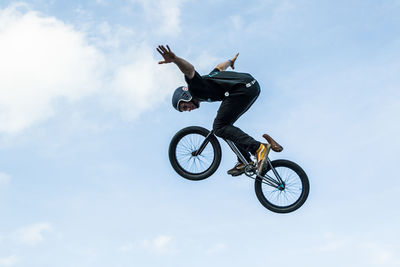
(181, 94)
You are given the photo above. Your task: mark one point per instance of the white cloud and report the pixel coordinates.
(380, 255)
(160, 244)
(45, 60)
(112, 36)
(101, 2)
(143, 84)
(42, 60)
(4, 178)
(237, 22)
(33, 234)
(206, 61)
(163, 13)
(9, 261)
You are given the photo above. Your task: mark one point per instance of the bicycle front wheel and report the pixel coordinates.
(284, 188)
(183, 159)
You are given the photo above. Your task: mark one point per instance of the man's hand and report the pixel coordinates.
(168, 55)
(228, 63)
(182, 64)
(233, 61)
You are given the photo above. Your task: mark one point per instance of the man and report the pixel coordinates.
(236, 91)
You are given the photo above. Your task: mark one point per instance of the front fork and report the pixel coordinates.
(203, 145)
(277, 183)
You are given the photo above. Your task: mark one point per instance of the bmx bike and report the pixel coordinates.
(282, 186)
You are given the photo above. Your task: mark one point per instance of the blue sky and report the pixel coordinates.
(86, 120)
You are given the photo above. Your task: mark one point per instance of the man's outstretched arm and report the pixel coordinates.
(229, 63)
(182, 64)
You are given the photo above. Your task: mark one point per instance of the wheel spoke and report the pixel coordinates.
(292, 188)
(190, 163)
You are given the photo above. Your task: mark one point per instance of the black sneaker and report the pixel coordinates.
(238, 169)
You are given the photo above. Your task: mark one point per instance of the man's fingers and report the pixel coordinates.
(159, 51)
(163, 49)
(162, 62)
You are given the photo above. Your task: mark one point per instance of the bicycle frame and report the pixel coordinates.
(266, 178)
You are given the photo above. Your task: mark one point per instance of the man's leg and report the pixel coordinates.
(230, 110)
(245, 153)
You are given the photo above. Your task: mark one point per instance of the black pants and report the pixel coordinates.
(232, 107)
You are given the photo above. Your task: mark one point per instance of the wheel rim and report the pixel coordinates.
(288, 193)
(188, 162)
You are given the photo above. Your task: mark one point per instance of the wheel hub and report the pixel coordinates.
(282, 186)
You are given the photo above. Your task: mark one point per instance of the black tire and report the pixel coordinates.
(292, 196)
(192, 167)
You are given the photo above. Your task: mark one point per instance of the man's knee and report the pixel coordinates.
(219, 130)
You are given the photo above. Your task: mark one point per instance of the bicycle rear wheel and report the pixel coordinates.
(285, 195)
(183, 160)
